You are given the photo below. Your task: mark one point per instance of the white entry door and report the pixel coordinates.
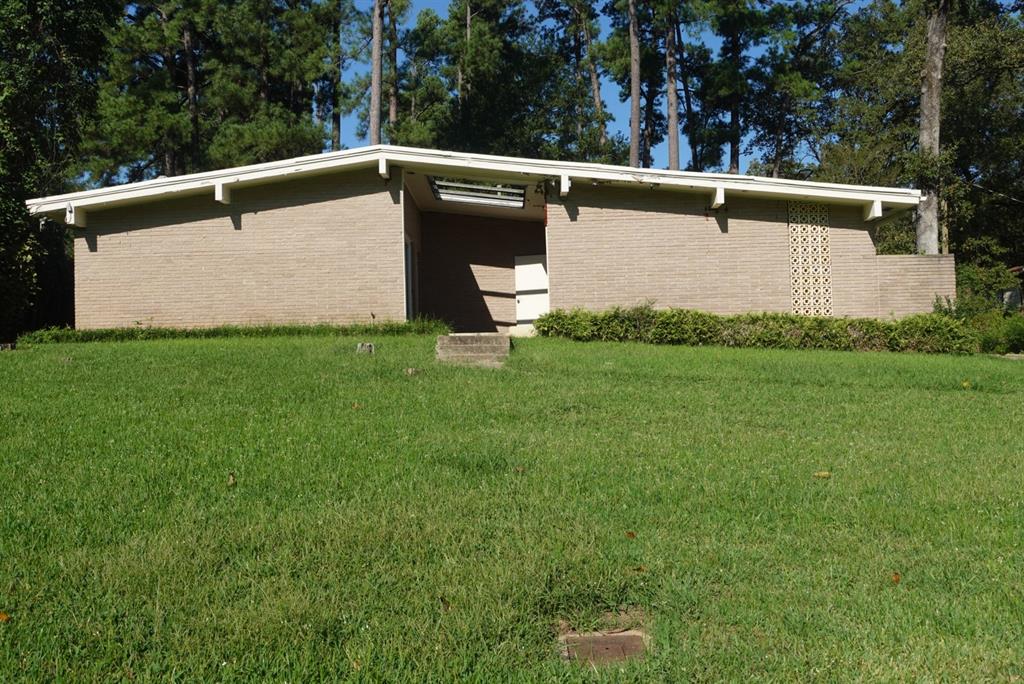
(531, 291)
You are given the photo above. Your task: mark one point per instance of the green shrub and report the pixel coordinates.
(419, 326)
(933, 333)
(574, 325)
(1014, 334)
(990, 327)
(867, 334)
(631, 325)
(683, 326)
(768, 331)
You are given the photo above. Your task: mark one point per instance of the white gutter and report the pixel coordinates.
(717, 186)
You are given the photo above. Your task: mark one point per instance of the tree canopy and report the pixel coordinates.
(95, 92)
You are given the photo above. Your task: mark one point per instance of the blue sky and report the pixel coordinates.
(610, 92)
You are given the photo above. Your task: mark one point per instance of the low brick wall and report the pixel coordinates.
(909, 284)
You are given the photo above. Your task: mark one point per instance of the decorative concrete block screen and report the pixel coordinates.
(810, 262)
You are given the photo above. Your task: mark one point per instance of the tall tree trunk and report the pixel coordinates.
(735, 136)
(691, 116)
(777, 147)
(414, 78)
(192, 92)
(928, 139)
(462, 77)
(171, 163)
(336, 87)
(336, 117)
(650, 97)
(393, 67)
(671, 72)
(375, 72)
(595, 82)
(634, 86)
(469, 34)
(577, 57)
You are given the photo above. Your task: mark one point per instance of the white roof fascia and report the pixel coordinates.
(718, 185)
(683, 179)
(190, 183)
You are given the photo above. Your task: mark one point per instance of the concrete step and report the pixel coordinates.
(481, 340)
(473, 349)
(485, 362)
(481, 350)
(447, 356)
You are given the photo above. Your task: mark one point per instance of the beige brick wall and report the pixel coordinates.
(854, 264)
(467, 268)
(321, 249)
(619, 246)
(908, 284)
(331, 249)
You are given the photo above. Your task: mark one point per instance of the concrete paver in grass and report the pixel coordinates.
(598, 648)
(619, 637)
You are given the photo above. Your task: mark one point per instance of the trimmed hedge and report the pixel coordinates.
(931, 333)
(421, 326)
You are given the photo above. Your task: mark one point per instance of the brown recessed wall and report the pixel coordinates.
(467, 268)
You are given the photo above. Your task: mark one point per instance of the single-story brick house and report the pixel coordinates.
(485, 242)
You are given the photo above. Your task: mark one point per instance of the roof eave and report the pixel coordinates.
(717, 185)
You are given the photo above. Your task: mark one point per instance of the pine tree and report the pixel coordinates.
(197, 84)
(634, 82)
(790, 95)
(50, 54)
(579, 129)
(639, 72)
(741, 25)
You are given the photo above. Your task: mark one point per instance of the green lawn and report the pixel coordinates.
(439, 525)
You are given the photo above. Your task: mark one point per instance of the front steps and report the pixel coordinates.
(475, 349)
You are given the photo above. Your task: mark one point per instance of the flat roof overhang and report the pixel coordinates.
(876, 202)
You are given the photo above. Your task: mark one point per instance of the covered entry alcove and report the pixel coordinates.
(475, 250)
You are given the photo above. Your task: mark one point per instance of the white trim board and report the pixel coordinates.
(718, 187)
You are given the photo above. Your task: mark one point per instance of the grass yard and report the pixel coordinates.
(440, 525)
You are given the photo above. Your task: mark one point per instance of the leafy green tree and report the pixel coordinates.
(334, 97)
(791, 94)
(49, 54)
(741, 25)
(264, 63)
(640, 74)
(581, 118)
(426, 103)
(199, 84)
(874, 135)
(702, 121)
